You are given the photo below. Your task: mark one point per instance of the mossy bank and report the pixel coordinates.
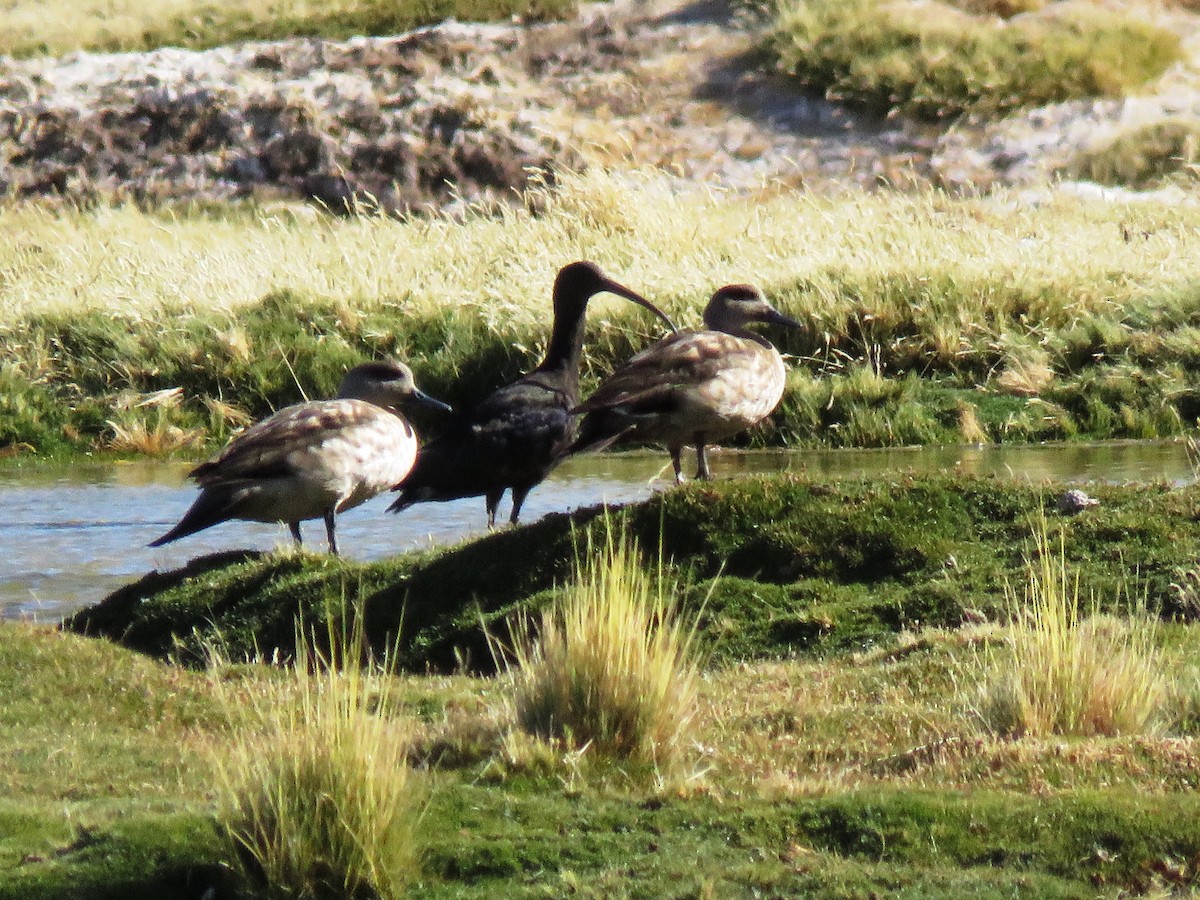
(777, 567)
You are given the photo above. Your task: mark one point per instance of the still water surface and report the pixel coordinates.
(71, 534)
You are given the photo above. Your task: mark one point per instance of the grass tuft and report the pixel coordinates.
(937, 59)
(613, 666)
(1145, 157)
(1184, 704)
(152, 432)
(317, 796)
(1068, 674)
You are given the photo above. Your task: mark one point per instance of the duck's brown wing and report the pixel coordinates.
(263, 450)
(651, 377)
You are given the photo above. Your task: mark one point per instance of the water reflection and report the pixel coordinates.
(70, 534)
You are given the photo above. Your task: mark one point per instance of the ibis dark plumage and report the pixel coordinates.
(312, 460)
(518, 434)
(694, 387)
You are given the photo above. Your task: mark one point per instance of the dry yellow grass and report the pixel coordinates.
(1027, 374)
(29, 27)
(906, 258)
(969, 425)
(1070, 673)
(610, 669)
(143, 426)
(316, 793)
(31, 23)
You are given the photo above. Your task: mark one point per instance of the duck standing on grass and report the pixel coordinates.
(516, 436)
(312, 460)
(694, 387)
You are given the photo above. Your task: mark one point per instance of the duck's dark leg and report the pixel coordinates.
(677, 463)
(329, 528)
(518, 497)
(295, 528)
(493, 500)
(702, 473)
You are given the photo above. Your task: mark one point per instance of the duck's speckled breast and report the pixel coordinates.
(353, 463)
(740, 393)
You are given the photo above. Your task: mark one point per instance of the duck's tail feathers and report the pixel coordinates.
(595, 435)
(403, 502)
(211, 508)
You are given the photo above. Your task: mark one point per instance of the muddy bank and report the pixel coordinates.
(459, 113)
(394, 121)
(437, 116)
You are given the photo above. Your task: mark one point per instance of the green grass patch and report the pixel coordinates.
(30, 28)
(936, 60)
(103, 781)
(840, 774)
(142, 856)
(936, 844)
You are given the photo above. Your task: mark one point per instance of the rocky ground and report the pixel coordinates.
(460, 112)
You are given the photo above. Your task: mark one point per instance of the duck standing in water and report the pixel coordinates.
(514, 437)
(312, 460)
(694, 387)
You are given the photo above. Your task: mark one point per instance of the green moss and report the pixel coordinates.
(534, 841)
(848, 845)
(938, 62)
(799, 566)
(140, 857)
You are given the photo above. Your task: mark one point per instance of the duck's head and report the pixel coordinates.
(388, 383)
(737, 305)
(578, 282)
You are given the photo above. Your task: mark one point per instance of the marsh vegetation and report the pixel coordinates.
(943, 59)
(927, 319)
(907, 686)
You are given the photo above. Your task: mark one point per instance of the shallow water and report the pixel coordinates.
(71, 534)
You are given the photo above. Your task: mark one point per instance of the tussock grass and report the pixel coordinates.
(143, 426)
(937, 59)
(316, 792)
(1068, 674)
(55, 27)
(1141, 158)
(611, 668)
